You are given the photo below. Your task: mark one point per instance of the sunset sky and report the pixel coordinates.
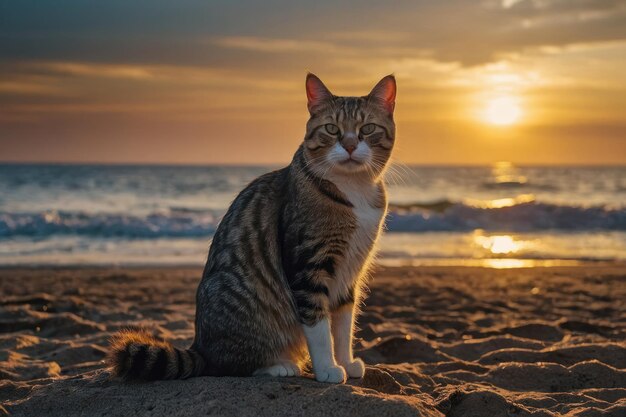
(527, 81)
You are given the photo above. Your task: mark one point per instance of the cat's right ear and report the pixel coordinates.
(316, 92)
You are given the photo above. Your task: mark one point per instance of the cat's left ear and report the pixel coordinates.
(385, 93)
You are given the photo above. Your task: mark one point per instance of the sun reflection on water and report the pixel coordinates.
(508, 263)
(501, 202)
(497, 263)
(499, 244)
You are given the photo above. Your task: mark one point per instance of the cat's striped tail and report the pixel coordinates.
(136, 355)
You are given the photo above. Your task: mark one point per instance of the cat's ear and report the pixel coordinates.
(385, 93)
(316, 92)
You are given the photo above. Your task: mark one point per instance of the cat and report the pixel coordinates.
(285, 271)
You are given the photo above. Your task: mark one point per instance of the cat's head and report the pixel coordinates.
(349, 135)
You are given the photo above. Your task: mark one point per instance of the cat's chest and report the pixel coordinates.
(368, 209)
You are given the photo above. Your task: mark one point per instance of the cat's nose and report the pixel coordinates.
(350, 148)
(350, 142)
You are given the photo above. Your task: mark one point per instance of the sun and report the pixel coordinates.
(502, 111)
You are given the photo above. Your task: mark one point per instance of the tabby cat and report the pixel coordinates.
(286, 267)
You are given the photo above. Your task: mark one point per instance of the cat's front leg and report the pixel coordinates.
(342, 331)
(320, 343)
(312, 304)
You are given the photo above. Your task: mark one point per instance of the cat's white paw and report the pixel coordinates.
(283, 368)
(355, 369)
(332, 374)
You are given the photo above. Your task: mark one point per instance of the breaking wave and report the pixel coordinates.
(520, 216)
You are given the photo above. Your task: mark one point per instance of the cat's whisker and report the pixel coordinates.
(314, 160)
(398, 172)
(394, 177)
(398, 164)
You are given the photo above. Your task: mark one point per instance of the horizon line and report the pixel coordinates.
(278, 164)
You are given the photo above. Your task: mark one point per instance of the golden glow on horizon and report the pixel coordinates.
(446, 114)
(502, 111)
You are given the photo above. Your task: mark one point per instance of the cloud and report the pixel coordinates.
(27, 88)
(103, 70)
(272, 45)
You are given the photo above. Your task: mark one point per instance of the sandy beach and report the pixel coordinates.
(453, 341)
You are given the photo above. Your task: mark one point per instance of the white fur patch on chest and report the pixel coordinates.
(362, 241)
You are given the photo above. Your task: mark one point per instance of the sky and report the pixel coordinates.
(199, 81)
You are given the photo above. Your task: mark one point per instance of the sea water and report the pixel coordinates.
(501, 215)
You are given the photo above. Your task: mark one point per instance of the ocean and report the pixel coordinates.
(498, 216)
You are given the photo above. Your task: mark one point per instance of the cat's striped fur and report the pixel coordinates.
(288, 259)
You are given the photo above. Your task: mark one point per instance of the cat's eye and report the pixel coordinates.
(332, 129)
(368, 128)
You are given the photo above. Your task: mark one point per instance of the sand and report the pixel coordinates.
(438, 341)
